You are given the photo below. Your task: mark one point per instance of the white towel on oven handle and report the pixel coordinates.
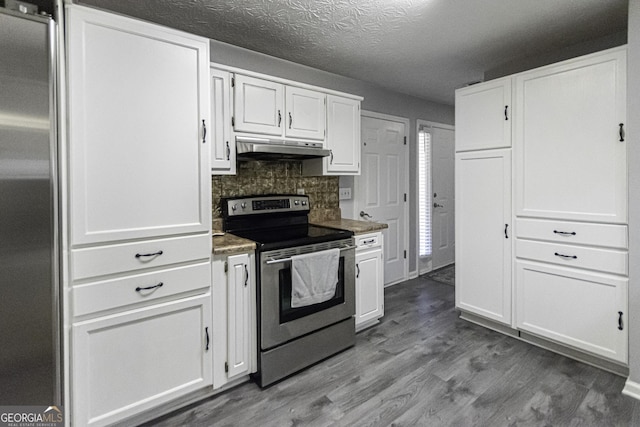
(314, 277)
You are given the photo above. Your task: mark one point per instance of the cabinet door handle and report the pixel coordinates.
(279, 118)
(206, 332)
(566, 256)
(620, 326)
(506, 235)
(246, 275)
(565, 233)
(228, 151)
(148, 255)
(363, 214)
(331, 154)
(204, 132)
(368, 242)
(146, 288)
(358, 271)
(621, 132)
(506, 112)
(290, 120)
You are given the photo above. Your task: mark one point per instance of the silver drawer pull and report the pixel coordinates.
(566, 256)
(148, 288)
(278, 260)
(565, 233)
(368, 242)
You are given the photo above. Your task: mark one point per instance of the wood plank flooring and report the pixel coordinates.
(423, 366)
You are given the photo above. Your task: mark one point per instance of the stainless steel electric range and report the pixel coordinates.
(292, 338)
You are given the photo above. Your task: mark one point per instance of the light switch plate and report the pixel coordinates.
(345, 193)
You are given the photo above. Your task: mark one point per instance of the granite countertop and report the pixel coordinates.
(355, 226)
(229, 244)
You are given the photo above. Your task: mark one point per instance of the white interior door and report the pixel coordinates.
(382, 187)
(443, 237)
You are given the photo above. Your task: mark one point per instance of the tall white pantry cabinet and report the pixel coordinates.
(138, 282)
(560, 270)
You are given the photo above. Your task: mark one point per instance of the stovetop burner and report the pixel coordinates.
(275, 221)
(283, 237)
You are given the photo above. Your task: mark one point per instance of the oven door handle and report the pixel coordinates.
(278, 260)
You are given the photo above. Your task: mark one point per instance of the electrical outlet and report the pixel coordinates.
(345, 193)
(300, 191)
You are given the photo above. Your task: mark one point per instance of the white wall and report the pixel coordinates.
(633, 122)
(584, 48)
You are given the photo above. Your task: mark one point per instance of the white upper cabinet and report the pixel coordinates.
(258, 106)
(223, 147)
(138, 143)
(483, 116)
(570, 155)
(271, 108)
(343, 136)
(306, 113)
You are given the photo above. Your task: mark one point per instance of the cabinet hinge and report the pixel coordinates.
(405, 197)
(405, 254)
(226, 367)
(226, 266)
(233, 121)
(405, 140)
(233, 82)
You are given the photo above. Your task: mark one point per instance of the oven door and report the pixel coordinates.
(279, 322)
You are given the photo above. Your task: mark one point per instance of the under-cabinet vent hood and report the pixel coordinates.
(249, 148)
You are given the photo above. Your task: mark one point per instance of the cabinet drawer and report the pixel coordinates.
(582, 309)
(606, 260)
(577, 233)
(99, 261)
(369, 240)
(108, 294)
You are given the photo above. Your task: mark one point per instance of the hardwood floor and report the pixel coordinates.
(423, 366)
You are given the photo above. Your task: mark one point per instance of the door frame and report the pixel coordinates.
(357, 186)
(426, 123)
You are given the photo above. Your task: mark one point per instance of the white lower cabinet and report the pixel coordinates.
(369, 280)
(585, 310)
(234, 318)
(136, 360)
(483, 234)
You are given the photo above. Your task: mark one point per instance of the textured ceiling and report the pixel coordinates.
(426, 48)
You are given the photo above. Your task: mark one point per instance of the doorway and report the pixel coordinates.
(436, 209)
(381, 191)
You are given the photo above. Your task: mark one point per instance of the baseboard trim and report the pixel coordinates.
(366, 325)
(607, 365)
(631, 389)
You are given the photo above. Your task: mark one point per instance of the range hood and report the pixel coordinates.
(250, 148)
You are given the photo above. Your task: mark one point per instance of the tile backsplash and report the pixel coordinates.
(277, 177)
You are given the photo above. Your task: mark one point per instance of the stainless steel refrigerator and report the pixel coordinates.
(29, 279)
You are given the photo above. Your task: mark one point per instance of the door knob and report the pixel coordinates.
(363, 214)
(436, 205)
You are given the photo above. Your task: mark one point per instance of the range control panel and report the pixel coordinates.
(264, 204)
